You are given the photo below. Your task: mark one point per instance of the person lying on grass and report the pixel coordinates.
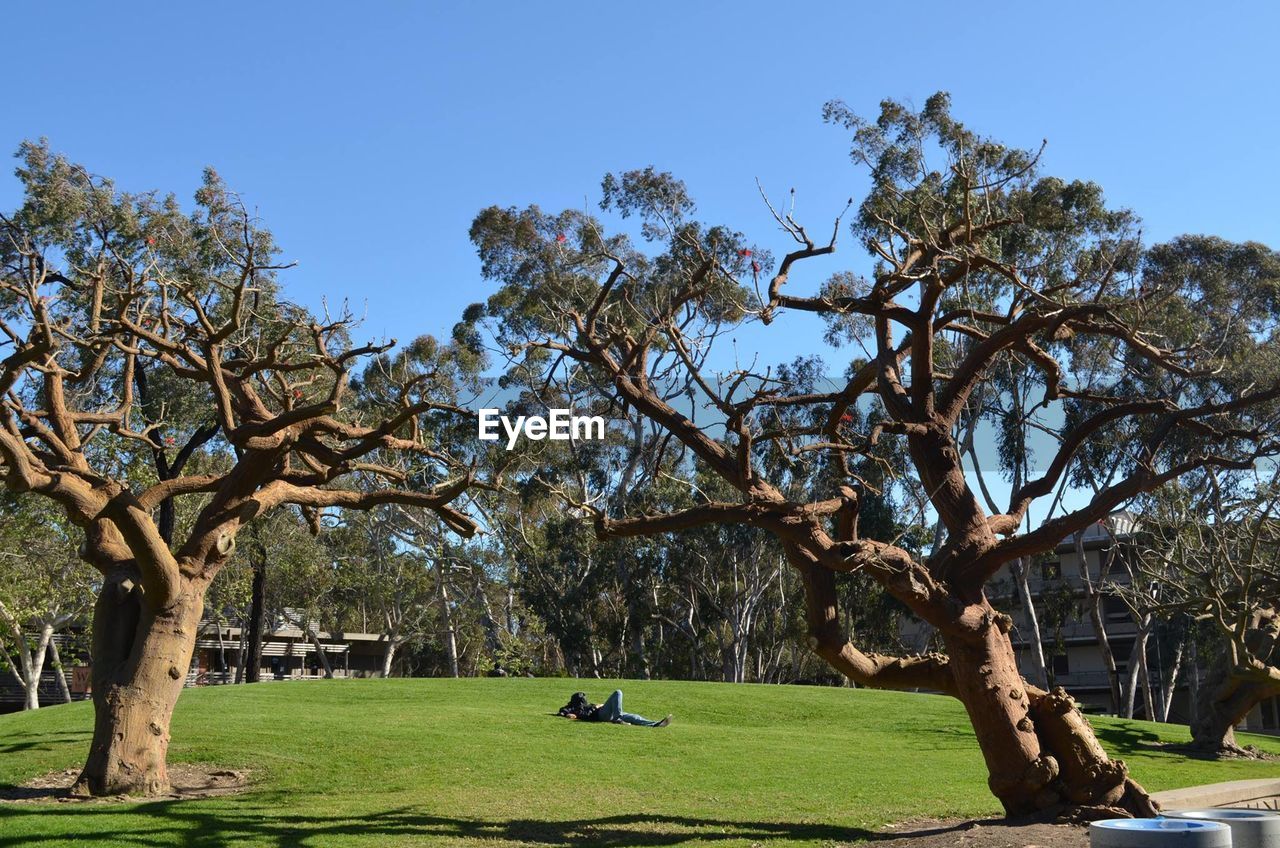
(580, 709)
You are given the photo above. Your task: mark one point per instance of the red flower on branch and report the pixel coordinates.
(755, 267)
(560, 238)
(744, 252)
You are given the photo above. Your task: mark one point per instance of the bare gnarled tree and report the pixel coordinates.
(976, 262)
(150, 359)
(1215, 552)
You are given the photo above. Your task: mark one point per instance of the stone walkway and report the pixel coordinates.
(1263, 794)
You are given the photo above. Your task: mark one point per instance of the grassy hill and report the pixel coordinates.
(480, 762)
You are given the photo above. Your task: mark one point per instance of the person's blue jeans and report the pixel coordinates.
(611, 710)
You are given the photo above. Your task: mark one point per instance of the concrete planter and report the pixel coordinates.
(1249, 828)
(1158, 833)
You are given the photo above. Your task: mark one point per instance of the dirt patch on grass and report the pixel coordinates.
(187, 780)
(991, 833)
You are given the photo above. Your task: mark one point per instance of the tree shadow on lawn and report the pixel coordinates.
(197, 825)
(1126, 738)
(44, 741)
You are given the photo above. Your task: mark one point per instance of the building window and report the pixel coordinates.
(1060, 665)
(1051, 570)
(1114, 609)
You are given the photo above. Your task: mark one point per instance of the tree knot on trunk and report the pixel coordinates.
(1057, 702)
(175, 672)
(1112, 770)
(1034, 780)
(988, 618)
(1041, 772)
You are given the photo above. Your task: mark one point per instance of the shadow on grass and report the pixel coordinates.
(194, 824)
(1127, 739)
(1124, 738)
(44, 741)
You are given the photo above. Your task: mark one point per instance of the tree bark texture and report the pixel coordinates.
(141, 660)
(1041, 753)
(1225, 697)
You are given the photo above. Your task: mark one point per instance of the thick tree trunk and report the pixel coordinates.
(995, 697)
(141, 660)
(1226, 697)
(1042, 756)
(1041, 753)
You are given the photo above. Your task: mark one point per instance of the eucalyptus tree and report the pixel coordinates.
(384, 576)
(725, 575)
(96, 284)
(968, 240)
(305, 573)
(44, 588)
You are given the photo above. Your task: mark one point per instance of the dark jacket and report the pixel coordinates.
(580, 708)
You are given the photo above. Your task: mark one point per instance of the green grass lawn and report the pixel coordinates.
(481, 763)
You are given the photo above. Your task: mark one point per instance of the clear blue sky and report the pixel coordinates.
(369, 135)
